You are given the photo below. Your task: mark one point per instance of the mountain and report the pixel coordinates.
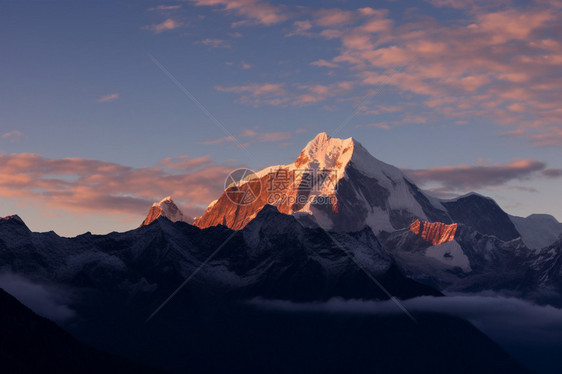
(457, 257)
(338, 185)
(165, 208)
(273, 256)
(30, 344)
(335, 184)
(547, 271)
(538, 230)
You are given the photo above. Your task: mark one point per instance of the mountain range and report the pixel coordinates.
(335, 224)
(464, 244)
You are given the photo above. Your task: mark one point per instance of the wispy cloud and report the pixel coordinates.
(106, 98)
(224, 139)
(215, 43)
(163, 8)
(278, 94)
(253, 136)
(473, 177)
(13, 136)
(168, 24)
(324, 63)
(252, 11)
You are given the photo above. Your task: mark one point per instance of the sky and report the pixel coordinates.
(108, 106)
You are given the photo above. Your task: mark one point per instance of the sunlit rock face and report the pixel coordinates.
(435, 233)
(335, 184)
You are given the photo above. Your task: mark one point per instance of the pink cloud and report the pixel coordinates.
(254, 137)
(491, 60)
(215, 43)
(168, 24)
(13, 136)
(219, 140)
(254, 89)
(277, 94)
(87, 186)
(106, 98)
(163, 8)
(324, 63)
(254, 10)
(333, 17)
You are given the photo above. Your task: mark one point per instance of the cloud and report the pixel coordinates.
(255, 11)
(469, 177)
(47, 301)
(333, 17)
(552, 173)
(324, 63)
(528, 331)
(253, 137)
(219, 140)
(13, 136)
(85, 186)
(214, 43)
(168, 24)
(161, 8)
(254, 89)
(495, 61)
(277, 94)
(106, 98)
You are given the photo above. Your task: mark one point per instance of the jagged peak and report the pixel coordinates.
(164, 208)
(325, 152)
(13, 217)
(166, 200)
(469, 195)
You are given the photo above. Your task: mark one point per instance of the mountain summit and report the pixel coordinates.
(338, 185)
(165, 208)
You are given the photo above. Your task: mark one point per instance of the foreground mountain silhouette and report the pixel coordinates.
(32, 344)
(119, 279)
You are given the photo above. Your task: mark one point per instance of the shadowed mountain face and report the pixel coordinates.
(119, 279)
(538, 230)
(483, 214)
(32, 344)
(273, 256)
(246, 339)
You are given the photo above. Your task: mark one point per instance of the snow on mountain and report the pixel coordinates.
(335, 184)
(165, 208)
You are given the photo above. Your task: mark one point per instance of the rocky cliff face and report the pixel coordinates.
(436, 233)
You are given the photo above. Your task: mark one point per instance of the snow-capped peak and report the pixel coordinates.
(325, 152)
(166, 200)
(165, 208)
(337, 184)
